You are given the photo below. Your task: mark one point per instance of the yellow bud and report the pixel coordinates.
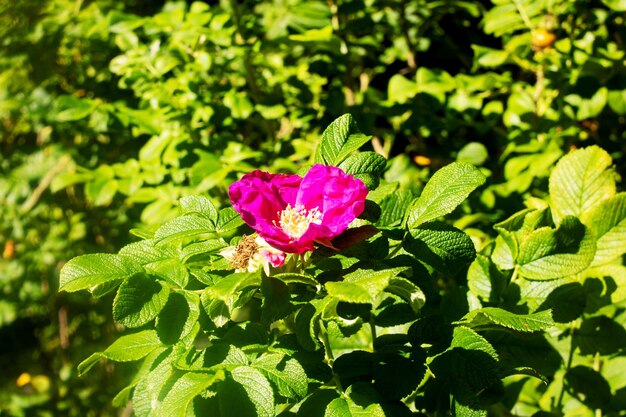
(422, 160)
(23, 379)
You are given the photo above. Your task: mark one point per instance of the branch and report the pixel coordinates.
(45, 182)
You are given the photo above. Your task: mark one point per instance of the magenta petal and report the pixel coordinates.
(339, 196)
(286, 187)
(254, 198)
(259, 197)
(276, 259)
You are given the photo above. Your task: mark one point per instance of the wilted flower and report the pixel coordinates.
(253, 253)
(291, 212)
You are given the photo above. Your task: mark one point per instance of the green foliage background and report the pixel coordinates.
(111, 112)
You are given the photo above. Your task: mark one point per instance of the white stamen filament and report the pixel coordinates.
(295, 221)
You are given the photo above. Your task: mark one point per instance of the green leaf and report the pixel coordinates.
(219, 300)
(466, 338)
(524, 370)
(600, 335)
(474, 153)
(489, 316)
(185, 389)
(617, 98)
(338, 408)
(133, 347)
(514, 229)
(617, 5)
(502, 19)
(440, 246)
(239, 104)
(285, 373)
(396, 376)
(315, 404)
(339, 140)
(607, 220)
(88, 363)
(184, 227)
(353, 366)
(503, 254)
(101, 191)
(489, 57)
(87, 271)
(196, 204)
(217, 310)
(408, 291)
(400, 89)
(228, 219)
(231, 284)
(589, 386)
(139, 300)
(434, 82)
(170, 270)
(73, 108)
(548, 254)
(146, 395)
(587, 108)
(366, 166)
(295, 278)
(363, 400)
(355, 293)
(145, 252)
(447, 188)
(307, 326)
(361, 286)
(127, 348)
(580, 181)
(484, 280)
(464, 410)
(393, 208)
(103, 289)
(257, 388)
(224, 354)
(354, 142)
(469, 366)
(178, 317)
(201, 248)
(567, 300)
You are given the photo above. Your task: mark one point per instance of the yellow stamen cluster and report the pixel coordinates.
(295, 221)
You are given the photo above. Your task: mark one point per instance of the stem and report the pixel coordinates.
(411, 397)
(348, 84)
(45, 182)
(330, 357)
(514, 276)
(597, 366)
(411, 59)
(303, 262)
(77, 6)
(64, 339)
(373, 330)
(251, 78)
(523, 14)
(570, 357)
(539, 86)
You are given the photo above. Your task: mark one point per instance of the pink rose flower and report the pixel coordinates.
(291, 212)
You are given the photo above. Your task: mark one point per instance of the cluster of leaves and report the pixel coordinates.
(53, 53)
(388, 324)
(564, 253)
